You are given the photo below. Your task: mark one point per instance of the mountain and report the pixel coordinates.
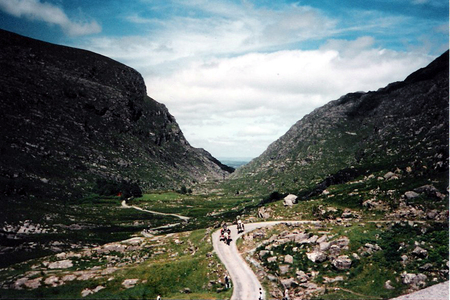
(403, 126)
(71, 117)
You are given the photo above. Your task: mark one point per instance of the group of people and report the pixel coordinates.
(225, 232)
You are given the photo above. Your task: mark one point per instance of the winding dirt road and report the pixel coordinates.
(124, 204)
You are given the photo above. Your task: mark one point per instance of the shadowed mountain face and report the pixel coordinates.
(402, 126)
(71, 116)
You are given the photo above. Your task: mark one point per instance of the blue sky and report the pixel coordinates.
(237, 74)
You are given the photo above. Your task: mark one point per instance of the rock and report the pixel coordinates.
(322, 239)
(313, 239)
(263, 253)
(53, 281)
(332, 280)
(284, 269)
(302, 276)
(272, 278)
(301, 238)
(411, 195)
(263, 213)
(69, 277)
(61, 264)
(413, 279)
(428, 189)
(272, 259)
(316, 256)
(342, 242)
(420, 252)
(426, 267)
(388, 175)
(290, 200)
(129, 283)
(87, 292)
(288, 259)
(432, 214)
(347, 214)
(388, 286)
(324, 246)
(334, 250)
(342, 262)
(289, 283)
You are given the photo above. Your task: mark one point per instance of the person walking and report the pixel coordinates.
(227, 281)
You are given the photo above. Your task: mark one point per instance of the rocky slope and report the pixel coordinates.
(402, 126)
(71, 116)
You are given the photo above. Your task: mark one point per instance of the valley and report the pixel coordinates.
(103, 197)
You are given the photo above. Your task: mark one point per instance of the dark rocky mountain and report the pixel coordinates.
(70, 117)
(402, 127)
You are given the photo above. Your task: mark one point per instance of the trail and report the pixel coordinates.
(124, 204)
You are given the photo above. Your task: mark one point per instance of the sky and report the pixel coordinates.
(236, 75)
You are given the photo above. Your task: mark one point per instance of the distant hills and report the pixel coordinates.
(71, 117)
(403, 126)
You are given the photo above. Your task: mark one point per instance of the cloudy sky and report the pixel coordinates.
(238, 74)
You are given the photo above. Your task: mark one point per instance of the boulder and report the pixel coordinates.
(324, 246)
(129, 283)
(342, 262)
(289, 283)
(389, 175)
(323, 238)
(284, 269)
(420, 252)
(316, 256)
(289, 259)
(411, 195)
(290, 200)
(413, 279)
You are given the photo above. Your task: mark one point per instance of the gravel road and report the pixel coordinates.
(436, 292)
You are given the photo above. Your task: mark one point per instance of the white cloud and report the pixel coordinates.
(231, 88)
(255, 98)
(51, 14)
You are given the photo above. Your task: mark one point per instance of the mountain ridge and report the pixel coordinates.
(72, 116)
(375, 130)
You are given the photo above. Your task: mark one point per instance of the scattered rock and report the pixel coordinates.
(388, 285)
(411, 195)
(420, 252)
(324, 246)
(284, 269)
(289, 283)
(129, 283)
(316, 256)
(302, 276)
(342, 262)
(288, 259)
(413, 279)
(61, 264)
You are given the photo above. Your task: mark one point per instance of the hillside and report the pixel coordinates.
(71, 117)
(403, 126)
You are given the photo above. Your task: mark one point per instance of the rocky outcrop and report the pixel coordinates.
(70, 116)
(404, 125)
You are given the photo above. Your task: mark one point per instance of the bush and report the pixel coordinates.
(123, 189)
(273, 197)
